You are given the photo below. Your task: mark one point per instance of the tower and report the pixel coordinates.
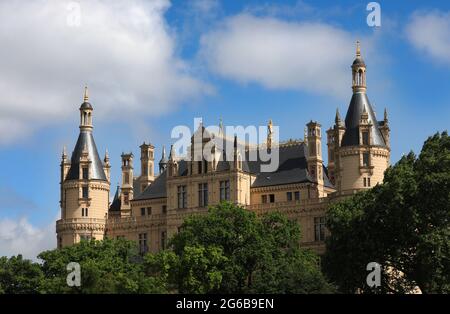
(147, 165)
(126, 194)
(84, 187)
(315, 162)
(361, 145)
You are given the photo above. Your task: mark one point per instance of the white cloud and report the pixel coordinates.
(21, 237)
(123, 50)
(429, 32)
(277, 54)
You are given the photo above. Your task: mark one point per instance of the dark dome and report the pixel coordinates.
(86, 105)
(359, 61)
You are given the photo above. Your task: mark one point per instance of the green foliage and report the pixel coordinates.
(19, 276)
(403, 224)
(108, 266)
(244, 254)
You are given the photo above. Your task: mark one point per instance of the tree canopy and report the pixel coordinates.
(402, 224)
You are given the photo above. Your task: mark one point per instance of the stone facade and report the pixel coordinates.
(150, 208)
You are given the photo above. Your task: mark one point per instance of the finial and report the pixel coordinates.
(163, 152)
(220, 126)
(86, 94)
(64, 153)
(385, 114)
(106, 154)
(358, 49)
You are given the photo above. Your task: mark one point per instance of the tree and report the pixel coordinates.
(231, 250)
(108, 266)
(402, 224)
(19, 276)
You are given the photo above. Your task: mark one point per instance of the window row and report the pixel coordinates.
(147, 211)
(143, 242)
(203, 192)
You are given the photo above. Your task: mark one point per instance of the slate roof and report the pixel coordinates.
(86, 139)
(155, 190)
(292, 169)
(116, 203)
(358, 102)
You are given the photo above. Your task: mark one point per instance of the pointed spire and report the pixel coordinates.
(163, 153)
(385, 115)
(358, 49)
(172, 153)
(64, 152)
(338, 116)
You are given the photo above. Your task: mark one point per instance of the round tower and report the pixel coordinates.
(84, 187)
(360, 147)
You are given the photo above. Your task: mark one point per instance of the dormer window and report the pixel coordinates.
(85, 173)
(365, 138)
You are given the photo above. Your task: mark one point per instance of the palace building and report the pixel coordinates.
(150, 207)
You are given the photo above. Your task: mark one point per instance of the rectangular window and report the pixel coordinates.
(366, 159)
(289, 196)
(149, 211)
(182, 196)
(368, 182)
(85, 237)
(272, 198)
(163, 240)
(126, 178)
(143, 248)
(365, 182)
(225, 190)
(85, 191)
(85, 173)
(365, 138)
(126, 198)
(143, 211)
(264, 199)
(203, 195)
(199, 166)
(164, 209)
(84, 212)
(319, 228)
(297, 195)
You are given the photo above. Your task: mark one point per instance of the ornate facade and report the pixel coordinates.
(150, 208)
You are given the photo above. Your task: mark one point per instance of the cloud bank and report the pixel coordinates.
(429, 32)
(123, 50)
(20, 237)
(277, 54)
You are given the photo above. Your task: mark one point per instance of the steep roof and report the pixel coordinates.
(86, 140)
(116, 203)
(358, 103)
(155, 190)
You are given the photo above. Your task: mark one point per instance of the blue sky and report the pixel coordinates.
(157, 64)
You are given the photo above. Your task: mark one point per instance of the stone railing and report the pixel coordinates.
(93, 224)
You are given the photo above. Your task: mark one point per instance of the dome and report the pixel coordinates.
(358, 62)
(86, 105)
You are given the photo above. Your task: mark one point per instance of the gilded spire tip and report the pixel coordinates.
(86, 93)
(358, 48)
